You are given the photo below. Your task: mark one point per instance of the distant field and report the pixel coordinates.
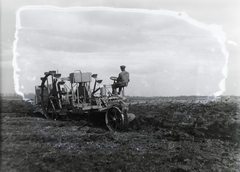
(11, 97)
(16, 97)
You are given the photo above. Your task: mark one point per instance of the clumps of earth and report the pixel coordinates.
(176, 135)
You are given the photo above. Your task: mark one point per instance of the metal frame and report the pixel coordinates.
(58, 100)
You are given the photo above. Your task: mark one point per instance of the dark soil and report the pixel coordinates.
(167, 135)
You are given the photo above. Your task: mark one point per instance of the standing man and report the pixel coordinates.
(122, 80)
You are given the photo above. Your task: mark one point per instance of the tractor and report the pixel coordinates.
(64, 97)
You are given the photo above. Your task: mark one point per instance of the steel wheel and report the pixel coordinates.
(50, 100)
(115, 119)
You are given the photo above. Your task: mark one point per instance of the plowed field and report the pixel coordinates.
(167, 135)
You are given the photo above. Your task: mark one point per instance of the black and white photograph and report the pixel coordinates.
(123, 86)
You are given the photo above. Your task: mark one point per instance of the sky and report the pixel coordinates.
(167, 52)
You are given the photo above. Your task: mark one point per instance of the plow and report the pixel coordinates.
(76, 95)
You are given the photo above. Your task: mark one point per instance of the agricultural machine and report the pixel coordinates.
(62, 97)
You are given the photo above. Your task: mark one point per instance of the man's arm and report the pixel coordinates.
(119, 79)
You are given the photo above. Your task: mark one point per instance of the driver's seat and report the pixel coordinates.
(122, 89)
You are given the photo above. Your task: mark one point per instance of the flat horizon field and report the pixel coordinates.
(168, 134)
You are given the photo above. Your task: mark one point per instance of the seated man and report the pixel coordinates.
(122, 80)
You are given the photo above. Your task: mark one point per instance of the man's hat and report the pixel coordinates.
(123, 66)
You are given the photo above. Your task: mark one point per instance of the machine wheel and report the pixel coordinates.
(115, 119)
(50, 100)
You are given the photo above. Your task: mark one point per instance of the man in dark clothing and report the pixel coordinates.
(122, 80)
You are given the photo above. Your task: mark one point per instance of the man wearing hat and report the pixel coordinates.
(122, 80)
